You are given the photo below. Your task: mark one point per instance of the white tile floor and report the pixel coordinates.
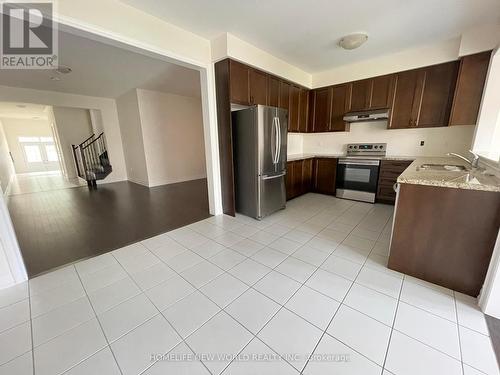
(232, 295)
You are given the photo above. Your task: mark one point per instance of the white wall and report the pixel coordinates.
(487, 137)
(227, 45)
(400, 142)
(15, 128)
(105, 105)
(6, 166)
(133, 145)
(73, 126)
(172, 131)
(396, 62)
(482, 38)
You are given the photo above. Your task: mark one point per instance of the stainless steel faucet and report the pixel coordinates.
(474, 163)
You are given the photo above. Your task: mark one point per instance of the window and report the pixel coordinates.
(39, 149)
(33, 154)
(487, 137)
(51, 152)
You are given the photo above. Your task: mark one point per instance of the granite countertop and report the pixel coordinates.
(309, 156)
(469, 179)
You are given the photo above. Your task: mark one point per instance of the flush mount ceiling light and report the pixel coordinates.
(353, 41)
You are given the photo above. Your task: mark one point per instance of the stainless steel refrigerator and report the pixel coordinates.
(259, 154)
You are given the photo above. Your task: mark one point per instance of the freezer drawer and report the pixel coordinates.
(272, 195)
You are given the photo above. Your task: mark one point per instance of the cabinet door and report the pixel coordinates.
(340, 105)
(297, 178)
(293, 113)
(325, 170)
(258, 87)
(322, 109)
(469, 89)
(380, 93)
(307, 171)
(437, 96)
(360, 95)
(303, 110)
(273, 91)
(284, 99)
(239, 83)
(289, 180)
(408, 86)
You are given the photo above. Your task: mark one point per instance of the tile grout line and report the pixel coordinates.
(160, 313)
(342, 303)
(393, 323)
(458, 334)
(31, 329)
(100, 326)
(282, 306)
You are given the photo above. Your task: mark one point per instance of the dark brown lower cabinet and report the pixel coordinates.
(298, 177)
(389, 172)
(444, 235)
(324, 175)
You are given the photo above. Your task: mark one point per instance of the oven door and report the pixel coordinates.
(357, 179)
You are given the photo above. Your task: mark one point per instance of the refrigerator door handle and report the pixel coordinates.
(266, 177)
(276, 139)
(279, 141)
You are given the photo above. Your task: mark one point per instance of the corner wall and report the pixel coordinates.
(73, 126)
(172, 131)
(127, 106)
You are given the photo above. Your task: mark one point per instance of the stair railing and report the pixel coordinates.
(87, 156)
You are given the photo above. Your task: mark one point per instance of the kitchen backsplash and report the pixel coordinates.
(403, 142)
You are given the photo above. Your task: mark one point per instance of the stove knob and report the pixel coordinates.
(355, 146)
(381, 146)
(350, 146)
(376, 147)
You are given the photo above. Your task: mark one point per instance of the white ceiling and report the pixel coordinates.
(23, 111)
(104, 70)
(305, 33)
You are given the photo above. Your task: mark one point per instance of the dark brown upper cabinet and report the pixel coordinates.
(273, 91)
(303, 110)
(381, 89)
(423, 97)
(372, 93)
(360, 95)
(238, 83)
(284, 98)
(437, 95)
(321, 101)
(406, 95)
(258, 87)
(469, 89)
(293, 111)
(340, 105)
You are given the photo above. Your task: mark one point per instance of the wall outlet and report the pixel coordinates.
(422, 143)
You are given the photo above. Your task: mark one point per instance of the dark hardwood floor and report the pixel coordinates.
(62, 226)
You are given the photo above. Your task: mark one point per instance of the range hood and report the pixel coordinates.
(372, 115)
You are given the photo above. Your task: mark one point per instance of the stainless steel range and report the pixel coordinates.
(357, 173)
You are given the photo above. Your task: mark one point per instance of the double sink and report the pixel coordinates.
(443, 167)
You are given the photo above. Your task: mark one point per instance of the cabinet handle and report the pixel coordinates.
(395, 187)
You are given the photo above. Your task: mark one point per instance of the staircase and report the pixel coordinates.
(91, 159)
